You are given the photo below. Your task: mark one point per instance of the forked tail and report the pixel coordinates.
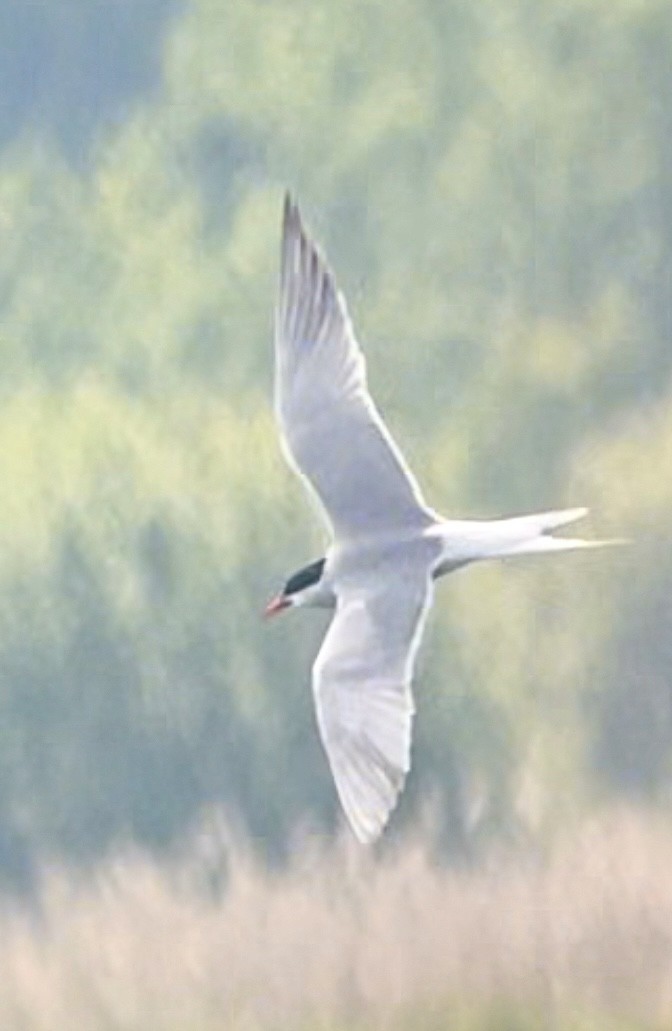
(531, 535)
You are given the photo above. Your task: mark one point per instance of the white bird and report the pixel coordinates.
(388, 545)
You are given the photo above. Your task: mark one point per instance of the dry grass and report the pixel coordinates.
(581, 941)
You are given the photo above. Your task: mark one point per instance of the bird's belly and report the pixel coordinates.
(370, 559)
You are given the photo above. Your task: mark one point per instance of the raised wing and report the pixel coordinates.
(332, 429)
(362, 685)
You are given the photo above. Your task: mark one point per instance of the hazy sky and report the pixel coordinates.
(71, 67)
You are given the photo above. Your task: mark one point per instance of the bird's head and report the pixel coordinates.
(302, 588)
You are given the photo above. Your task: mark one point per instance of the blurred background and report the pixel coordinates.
(492, 181)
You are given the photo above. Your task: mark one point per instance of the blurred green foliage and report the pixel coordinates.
(492, 184)
(503, 1017)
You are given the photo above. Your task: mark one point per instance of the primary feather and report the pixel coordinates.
(362, 684)
(331, 427)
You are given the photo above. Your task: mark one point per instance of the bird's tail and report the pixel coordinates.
(531, 534)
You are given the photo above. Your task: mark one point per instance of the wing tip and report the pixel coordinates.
(287, 204)
(369, 815)
(291, 216)
(369, 827)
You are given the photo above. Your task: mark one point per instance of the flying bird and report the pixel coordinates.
(388, 546)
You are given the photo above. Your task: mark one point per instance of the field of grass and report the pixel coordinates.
(343, 941)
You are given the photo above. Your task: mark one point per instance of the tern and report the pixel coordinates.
(388, 545)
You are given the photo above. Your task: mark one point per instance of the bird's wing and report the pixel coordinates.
(331, 427)
(362, 685)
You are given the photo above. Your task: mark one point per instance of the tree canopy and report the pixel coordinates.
(492, 185)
